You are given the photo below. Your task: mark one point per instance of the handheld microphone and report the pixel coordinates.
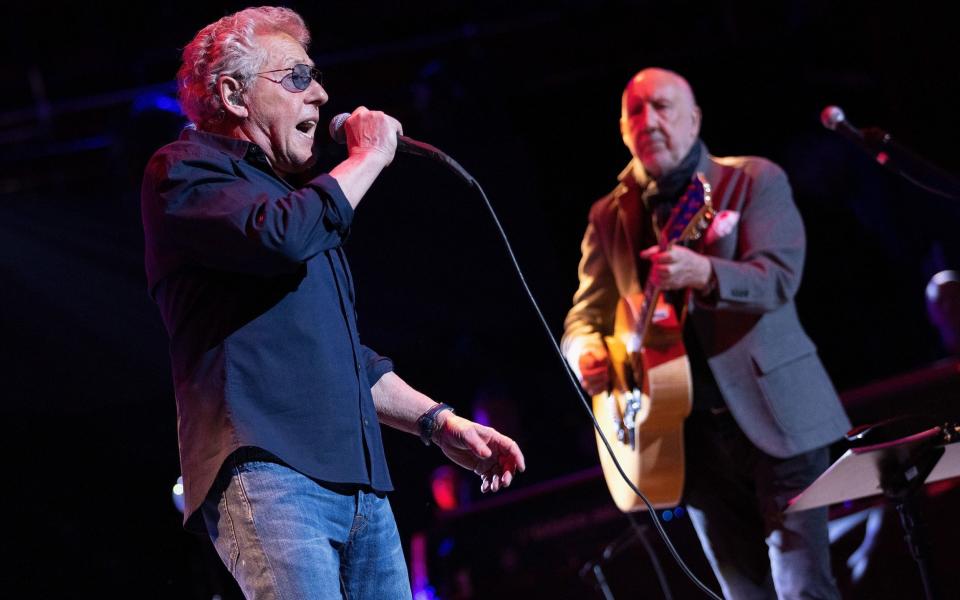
(406, 145)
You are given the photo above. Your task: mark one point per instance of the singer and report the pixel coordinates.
(279, 405)
(764, 408)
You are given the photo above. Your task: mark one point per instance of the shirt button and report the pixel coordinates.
(366, 422)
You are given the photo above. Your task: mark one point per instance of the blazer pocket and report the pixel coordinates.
(794, 383)
(785, 351)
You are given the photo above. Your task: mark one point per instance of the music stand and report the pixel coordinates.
(898, 469)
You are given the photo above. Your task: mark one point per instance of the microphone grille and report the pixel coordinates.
(832, 116)
(337, 132)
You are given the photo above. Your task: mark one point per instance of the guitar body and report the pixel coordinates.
(651, 389)
(658, 374)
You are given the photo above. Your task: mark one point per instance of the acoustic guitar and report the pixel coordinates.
(650, 394)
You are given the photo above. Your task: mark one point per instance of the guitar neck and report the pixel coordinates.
(651, 294)
(688, 218)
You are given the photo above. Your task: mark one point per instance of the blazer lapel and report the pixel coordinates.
(627, 196)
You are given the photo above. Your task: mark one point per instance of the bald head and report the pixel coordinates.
(943, 307)
(657, 77)
(659, 119)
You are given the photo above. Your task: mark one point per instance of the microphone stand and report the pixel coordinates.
(909, 165)
(637, 533)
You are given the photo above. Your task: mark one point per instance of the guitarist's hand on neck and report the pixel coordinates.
(678, 267)
(595, 370)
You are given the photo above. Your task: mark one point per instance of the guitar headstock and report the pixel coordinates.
(692, 214)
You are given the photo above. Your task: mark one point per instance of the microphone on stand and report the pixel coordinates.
(870, 140)
(886, 151)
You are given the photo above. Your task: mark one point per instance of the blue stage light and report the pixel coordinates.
(149, 101)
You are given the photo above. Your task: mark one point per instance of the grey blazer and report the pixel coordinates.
(765, 365)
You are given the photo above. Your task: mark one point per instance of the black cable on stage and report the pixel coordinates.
(421, 149)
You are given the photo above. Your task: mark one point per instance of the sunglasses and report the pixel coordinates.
(298, 79)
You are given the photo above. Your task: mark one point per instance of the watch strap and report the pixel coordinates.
(427, 423)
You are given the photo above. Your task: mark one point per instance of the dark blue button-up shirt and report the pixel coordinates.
(256, 295)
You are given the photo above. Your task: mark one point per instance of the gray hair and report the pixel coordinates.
(229, 47)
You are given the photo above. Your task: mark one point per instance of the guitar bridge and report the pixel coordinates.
(630, 418)
(613, 409)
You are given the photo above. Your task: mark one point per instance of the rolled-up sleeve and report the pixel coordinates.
(375, 365)
(206, 213)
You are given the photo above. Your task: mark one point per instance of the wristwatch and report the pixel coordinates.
(427, 423)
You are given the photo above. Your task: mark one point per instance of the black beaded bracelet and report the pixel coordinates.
(427, 423)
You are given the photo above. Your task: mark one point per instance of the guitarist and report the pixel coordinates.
(764, 409)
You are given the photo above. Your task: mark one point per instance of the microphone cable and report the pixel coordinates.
(442, 158)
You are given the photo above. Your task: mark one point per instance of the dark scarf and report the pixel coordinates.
(662, 194)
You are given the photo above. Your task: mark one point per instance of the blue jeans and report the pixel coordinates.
(284, 535)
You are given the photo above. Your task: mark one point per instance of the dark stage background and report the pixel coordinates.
(526, 97)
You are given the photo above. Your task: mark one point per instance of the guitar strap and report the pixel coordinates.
(659, 199)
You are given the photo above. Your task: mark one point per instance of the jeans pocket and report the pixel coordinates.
(233, 544)
(221, 529)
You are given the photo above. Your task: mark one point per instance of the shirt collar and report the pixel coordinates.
(233, 147)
